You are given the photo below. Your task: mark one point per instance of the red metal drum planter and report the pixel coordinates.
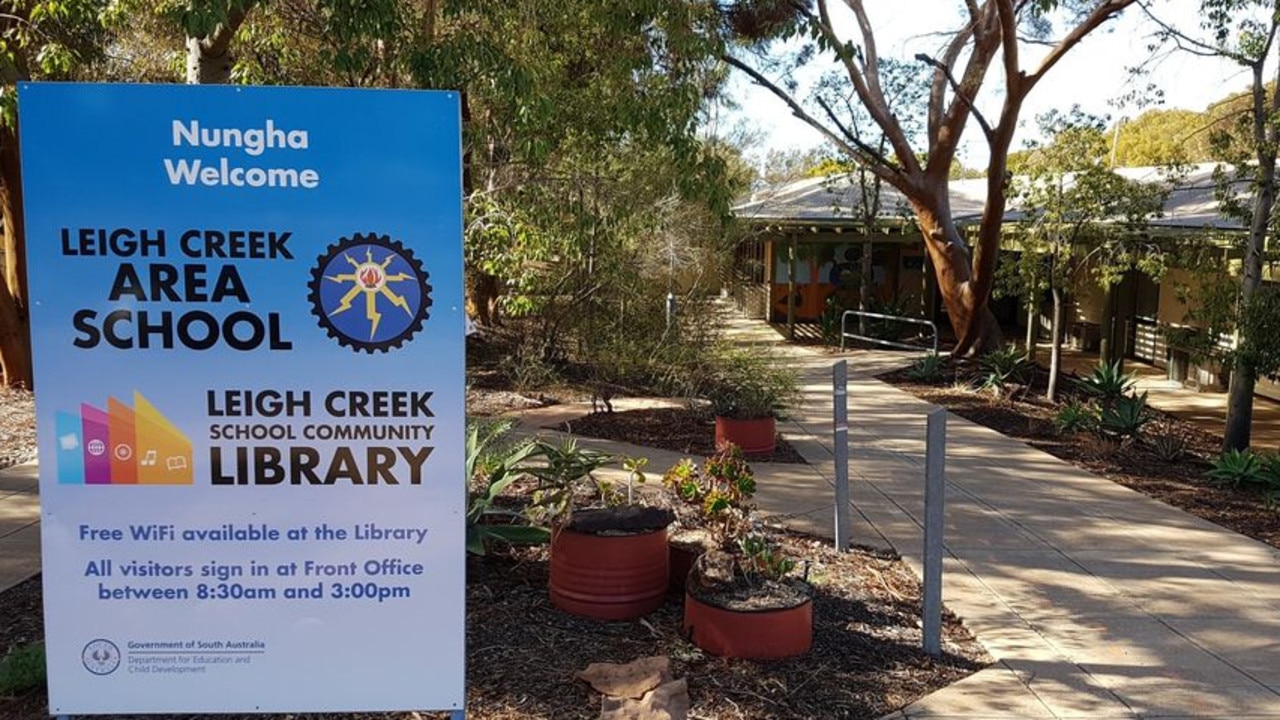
(609, 577)
(756, 436)
(765, 634)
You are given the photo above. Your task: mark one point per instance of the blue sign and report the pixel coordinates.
(248, 339)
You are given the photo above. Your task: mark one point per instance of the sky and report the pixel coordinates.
(1092, 75)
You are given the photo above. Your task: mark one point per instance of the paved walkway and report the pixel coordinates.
(19, 525)
(1096, 601)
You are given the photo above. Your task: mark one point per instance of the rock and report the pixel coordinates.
(631, 680)
(669, 701)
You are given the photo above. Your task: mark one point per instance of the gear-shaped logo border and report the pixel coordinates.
(386, 242)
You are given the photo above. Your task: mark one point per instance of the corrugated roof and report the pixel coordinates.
(836, 200)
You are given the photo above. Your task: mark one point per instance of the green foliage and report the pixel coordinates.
(1169, 448)
(927, 368)
(760, 559)
(747, 383)
(1108, 383)
(1163, 136)
(1237, 468)
(563, 472)
(717, 496)
(1074, 416)
(492, 464)
(1004, 368)
(22, 670)
(1259, 348)
(1124, 418)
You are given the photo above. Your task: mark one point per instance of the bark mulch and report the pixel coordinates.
(1178, 481)
(17, 427)
(683, 430)
(522, 653)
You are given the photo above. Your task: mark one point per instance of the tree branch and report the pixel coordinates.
(219, 41)
(873, 153)
(873, 101)
(890, 173)
(1099, 15)
(1009, 43)
(955, 87)
(938, 90)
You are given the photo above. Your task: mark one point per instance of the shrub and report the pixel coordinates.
(1125, 417)
(1074, 416)
(1237, 467)
(1107, 383)
(22, 670)
(492, 464)
(1003, 368)
(751, 383)
(1169, 448)
(927, 369)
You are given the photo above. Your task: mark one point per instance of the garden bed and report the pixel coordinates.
(682, 430)
(523, 654)
(1139, 465)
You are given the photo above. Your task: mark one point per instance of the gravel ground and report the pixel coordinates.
(17, 427)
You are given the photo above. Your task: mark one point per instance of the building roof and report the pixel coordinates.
(834, 201)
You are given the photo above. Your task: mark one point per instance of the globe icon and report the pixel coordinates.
(97, 447)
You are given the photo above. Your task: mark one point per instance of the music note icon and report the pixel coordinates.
(149, 459)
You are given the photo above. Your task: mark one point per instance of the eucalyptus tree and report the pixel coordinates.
(1244, 31)
(46, 40)
(960, 79)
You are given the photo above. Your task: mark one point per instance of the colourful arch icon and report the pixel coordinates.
(121, 446)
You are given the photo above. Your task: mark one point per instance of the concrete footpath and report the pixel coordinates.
(19, 525)
(1096, 601)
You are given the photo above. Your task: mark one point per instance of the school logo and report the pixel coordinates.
(370, 293)
(100, 657)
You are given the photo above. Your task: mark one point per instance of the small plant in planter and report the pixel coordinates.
(712, 506)
(608, 552)
(748, 391)
(740, 598)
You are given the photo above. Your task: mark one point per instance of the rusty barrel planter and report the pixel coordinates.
(756, 436)
(765, 634)
(609, 577)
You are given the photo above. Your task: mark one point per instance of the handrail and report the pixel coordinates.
(844, 319)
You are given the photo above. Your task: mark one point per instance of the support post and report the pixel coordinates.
(458, 715)
(840, 438)
(934, 504)
(791, 289)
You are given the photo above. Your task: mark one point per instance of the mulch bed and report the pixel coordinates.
(17, 427)
(1029, 417)
(682, 430)
(523, 654)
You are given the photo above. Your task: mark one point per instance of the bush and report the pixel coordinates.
(1107, 383)
(22, 670)
(1003, 368)
(1074, 416)
(927, 369)
(750, 383)
(1169, 448)
(1236, 468)
(1124, 417)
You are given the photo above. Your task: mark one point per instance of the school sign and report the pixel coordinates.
(248, 333)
